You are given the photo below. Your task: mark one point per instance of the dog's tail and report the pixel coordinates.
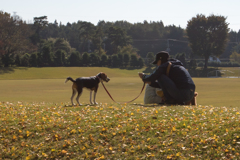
(69, 78)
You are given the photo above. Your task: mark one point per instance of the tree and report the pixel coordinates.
(115, 61)
(181, 57)
(85, 59)
(25, 60)
(59, 58)
(94, 59)
(109, 61)
(74, 59)
(126, 59)
(7, 59)
(118, 38)
(86, 30)
(39, 24)
(207, 35)
(33, 60)
(61, 44)
(235, 56)
(193, 64)
(150, 58)
(237, 47)
(18, 60)
(14, 34)
(129, 49)
(120, 59)
(98, 40)
(103, 61)
(133, 61)
(47, 56)
(140, 62)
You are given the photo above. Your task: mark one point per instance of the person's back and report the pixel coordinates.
(179, 75)
(175, 81)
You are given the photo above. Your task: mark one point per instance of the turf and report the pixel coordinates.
(47, 85)
(45, 126)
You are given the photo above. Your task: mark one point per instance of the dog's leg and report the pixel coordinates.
(79, 94)
(91, 97)
(94, 98)
(73, 94)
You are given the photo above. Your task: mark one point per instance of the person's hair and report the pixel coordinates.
(164, 59)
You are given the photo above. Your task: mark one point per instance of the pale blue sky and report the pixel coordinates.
(176, 12)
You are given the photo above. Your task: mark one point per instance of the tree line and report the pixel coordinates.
(113, 44)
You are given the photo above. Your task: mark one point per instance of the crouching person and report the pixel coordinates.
(174, 80)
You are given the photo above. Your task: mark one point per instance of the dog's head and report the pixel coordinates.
(103, 76)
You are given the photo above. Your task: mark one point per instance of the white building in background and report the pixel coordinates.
(214, 59)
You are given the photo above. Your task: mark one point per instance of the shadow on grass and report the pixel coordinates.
(147, 70)
(4, 70)
(129, 68)
(147, 105)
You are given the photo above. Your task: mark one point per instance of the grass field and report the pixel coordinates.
(47, 85)
(36, 121)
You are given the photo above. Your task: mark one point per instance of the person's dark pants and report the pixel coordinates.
(174, 94)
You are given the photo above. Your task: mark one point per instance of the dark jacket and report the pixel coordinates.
(178, 74)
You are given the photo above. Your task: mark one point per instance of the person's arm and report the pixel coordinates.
(156, 74)
(154, 84)
(141, 76)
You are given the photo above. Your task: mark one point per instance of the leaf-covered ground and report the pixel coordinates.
(118, 131)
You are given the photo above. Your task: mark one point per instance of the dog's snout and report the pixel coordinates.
(108, 79)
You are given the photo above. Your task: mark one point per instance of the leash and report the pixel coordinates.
(167, 73)
(122, 102)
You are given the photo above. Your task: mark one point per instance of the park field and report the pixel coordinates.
(47, 85)
(38, 122)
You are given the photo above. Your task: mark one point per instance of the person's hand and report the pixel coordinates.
(140, 75)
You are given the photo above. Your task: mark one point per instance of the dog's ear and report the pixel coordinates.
(99, 75)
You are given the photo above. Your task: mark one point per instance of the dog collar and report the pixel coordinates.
(99, 78)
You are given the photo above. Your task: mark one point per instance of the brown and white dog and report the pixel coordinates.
(89, 83)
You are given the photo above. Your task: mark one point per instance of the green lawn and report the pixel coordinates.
(47, 84)
(36, 121)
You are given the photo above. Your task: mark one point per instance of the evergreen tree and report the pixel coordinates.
(59, 58)
(133, 61)
(47, 56)
(18, 60)
(103, 61)
(74, 59)
(25, 60)
(94, 59)
(33, 60)
(140, 62)
(120, 59)
(85, 59)
(115, 61)
(126, 59)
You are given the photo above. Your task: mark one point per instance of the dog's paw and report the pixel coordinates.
(95, 103)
